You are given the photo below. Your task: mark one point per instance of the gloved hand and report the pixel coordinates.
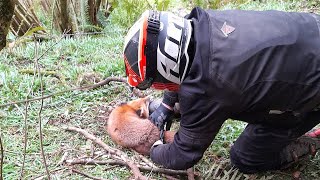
(162, 117)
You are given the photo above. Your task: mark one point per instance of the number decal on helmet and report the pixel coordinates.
(170, 48)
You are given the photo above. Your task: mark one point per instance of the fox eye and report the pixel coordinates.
(139, 112)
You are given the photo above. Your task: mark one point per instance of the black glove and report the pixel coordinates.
(161, 117)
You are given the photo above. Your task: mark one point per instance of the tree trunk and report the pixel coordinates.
(65, 24)
(92, 12)
(6, 13)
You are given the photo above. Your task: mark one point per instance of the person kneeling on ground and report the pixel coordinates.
(261, 67)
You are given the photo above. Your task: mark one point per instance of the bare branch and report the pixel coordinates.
(115, 153)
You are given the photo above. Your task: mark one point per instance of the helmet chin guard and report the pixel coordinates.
(155, 51)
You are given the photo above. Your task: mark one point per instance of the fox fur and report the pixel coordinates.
(128, 125)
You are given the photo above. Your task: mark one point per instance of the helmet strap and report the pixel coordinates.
(153, 29)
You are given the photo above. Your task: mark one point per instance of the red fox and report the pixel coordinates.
(128, 126)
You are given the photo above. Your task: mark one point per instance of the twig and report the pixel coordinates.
(1, 159)
(147, 161)
(43, 176)
(114, 152)
(89, 87)
(169, 177)
(86, 175)
(105, 82)
(63, 158)
(46, 51)
(25, 115)
(25, 136)
(190, 174)
(39, 113)
(91, 150)
(122, 163)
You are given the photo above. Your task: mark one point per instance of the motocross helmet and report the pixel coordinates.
(155, 51)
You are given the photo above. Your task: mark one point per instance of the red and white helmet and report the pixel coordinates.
(155, 51)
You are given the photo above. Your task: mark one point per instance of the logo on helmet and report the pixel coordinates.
(172, 47)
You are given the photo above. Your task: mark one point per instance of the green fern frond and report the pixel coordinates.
(33, 30)
(84, 13)
(102, 20)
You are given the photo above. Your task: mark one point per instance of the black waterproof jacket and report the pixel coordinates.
(269, 63)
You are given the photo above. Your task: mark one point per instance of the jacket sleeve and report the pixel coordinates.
(170, 98)
(200, 122)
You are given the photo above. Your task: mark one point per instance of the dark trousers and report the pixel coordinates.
(259, 146)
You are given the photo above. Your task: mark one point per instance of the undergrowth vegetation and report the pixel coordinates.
(126, 12)
(87, 59)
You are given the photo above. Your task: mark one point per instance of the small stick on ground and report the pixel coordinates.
(24, 115)
(189, 171)
(86, 175)
(63, 158)
(44, 176)
(190, 174)
(169, 177)
(147, 161)
(1, 158)
(115, 152)
(122, 163)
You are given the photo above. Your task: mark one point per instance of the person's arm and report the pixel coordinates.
(200, 122)
(170, 98)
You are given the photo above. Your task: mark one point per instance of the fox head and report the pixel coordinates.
(141, 106)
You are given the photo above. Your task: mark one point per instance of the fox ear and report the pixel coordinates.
(123, 103)
(144, 109)
(147, 98)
